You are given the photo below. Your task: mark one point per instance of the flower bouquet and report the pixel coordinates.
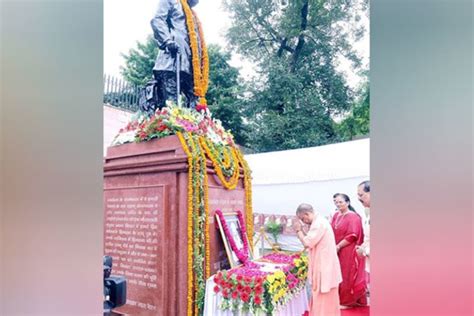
(256, 289)
(170, 120)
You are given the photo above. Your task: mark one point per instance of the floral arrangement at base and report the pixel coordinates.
(296, 266)
(171, 120)
(202, 138)
(252, 288)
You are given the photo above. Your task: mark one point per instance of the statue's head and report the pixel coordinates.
(192, 3)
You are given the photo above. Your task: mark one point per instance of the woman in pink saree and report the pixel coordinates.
(347, 226)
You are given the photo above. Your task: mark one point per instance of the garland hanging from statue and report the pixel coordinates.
(200, 63)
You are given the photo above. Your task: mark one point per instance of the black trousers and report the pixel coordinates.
(166, 84)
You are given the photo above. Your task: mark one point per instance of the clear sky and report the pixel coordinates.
(128, 21)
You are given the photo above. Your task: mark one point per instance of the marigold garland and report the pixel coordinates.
(206, 223)
(200, 67)
(248, 196)
(226, 161)
(227, 157)
(190, 223)
(201, 221)
(196, 224)
(230, 184)
(205, 56)
(198, 221)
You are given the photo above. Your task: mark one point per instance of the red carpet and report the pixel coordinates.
(356, 311)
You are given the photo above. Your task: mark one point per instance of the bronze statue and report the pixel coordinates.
(174, 62)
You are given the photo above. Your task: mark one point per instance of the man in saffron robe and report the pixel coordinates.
(324, 271)
(347, 226)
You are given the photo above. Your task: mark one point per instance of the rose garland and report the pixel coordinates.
(242, 254)
(200, 67)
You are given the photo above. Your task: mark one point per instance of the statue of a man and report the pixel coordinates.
(171, 31)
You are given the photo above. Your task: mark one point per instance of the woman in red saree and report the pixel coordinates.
(347, 226)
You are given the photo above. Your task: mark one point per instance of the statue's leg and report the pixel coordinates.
(187, 86)
(167, 84)
(160, 94)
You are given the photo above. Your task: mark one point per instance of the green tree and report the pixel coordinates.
(224, 94)
(357, 122)
(296, 51)
(225, 89)
(139, 62)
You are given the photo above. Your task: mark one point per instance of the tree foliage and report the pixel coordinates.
(225, 86)
(224, 95)
(139, 62)
(296, 51)
(357, 123)
(297, 89)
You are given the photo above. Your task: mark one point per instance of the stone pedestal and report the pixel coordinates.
(145, 223)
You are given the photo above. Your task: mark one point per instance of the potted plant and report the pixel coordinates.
(274, 229)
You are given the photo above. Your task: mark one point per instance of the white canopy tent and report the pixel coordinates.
(284, 179)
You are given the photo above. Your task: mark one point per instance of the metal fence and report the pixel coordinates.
(121, 94)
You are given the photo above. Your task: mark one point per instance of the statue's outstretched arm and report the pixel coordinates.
(159, 24)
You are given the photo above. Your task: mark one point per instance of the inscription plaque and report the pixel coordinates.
(146, 208)
(133, 231)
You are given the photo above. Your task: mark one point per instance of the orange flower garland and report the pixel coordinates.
(198, 226)
(248, 196)
(205, 56)
(200, 67)
(190, 223)
(199, 239)
(228, 160)
(206, 222)
(230, 184)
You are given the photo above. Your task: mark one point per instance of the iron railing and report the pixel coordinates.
(121, 94)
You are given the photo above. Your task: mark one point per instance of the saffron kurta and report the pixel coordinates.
(352, 290)
(324, 271)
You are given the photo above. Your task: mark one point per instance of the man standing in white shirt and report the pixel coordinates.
(363, 192)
